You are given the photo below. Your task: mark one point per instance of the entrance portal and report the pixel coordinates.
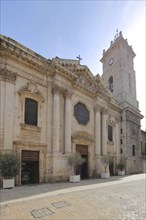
(30, 167)
(83, 169)
(111, 168)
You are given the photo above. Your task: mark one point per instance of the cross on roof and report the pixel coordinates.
(79, 58)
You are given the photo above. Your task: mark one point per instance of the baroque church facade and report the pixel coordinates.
(51, 108)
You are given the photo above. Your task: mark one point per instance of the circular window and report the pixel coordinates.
(81, 113)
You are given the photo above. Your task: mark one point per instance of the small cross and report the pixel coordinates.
(79, 58)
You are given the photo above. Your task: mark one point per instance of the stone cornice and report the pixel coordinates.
(114, 105)
(7, 75)
(62, 71)
(23, 54)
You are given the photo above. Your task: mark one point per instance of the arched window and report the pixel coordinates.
(111, 83)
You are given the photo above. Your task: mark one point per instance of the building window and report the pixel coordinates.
(129, 79)
(133, 150)
(31, 111)
(110, 133)
(111, 83)
(121, 141)
(121, 130)
(121, 151)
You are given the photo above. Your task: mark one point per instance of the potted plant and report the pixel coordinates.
(121, 167)
(74, 160)
(105, 162)
(9, 168)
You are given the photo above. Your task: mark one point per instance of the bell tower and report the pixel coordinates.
(119, 75)
(118, 71)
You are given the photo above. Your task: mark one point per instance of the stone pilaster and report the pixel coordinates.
(117, 128)
(7, 88)
(56, 118)
(97, 130)
(104, 132)
(68, 118)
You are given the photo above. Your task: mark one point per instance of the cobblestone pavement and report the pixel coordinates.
(123, 199)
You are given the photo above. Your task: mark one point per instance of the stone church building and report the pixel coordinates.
(50, 108)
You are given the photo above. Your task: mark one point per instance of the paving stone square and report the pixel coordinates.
(41, 212)
(60, 204)
(121, 199)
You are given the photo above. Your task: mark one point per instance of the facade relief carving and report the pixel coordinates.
(84, 83)
(82, 136)
(111, 120)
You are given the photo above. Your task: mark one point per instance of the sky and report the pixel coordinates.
(70, 28)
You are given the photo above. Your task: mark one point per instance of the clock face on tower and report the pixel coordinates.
(111, 61)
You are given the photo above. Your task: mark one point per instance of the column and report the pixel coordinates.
(56, 119)
(104, 132)
(68, 119)
(97, 130)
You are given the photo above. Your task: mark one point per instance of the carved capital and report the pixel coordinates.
(56, 89)
(117, 119)
(104, 111)
(68, 93)
(97, 108)
(7, 75)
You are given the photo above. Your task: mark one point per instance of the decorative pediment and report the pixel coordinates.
(84, 83)
(31, 88)
(82, 136)
(81, 76)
